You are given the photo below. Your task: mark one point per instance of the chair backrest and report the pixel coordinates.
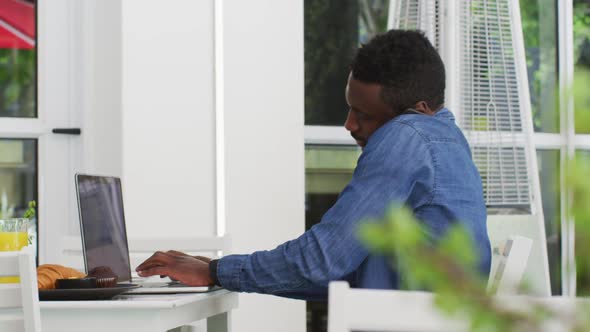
(392, 310)
(385, 310)
(509, 263)
(141, 248)
(413, 311)
(536, 273)
(19, 302)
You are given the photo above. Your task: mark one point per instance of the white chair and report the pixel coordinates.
(393, 310)
(412, 311)
(509, 263)
(502, 227)
(385, 310)
(19, 303)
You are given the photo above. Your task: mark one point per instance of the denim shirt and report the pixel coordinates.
(421, 161)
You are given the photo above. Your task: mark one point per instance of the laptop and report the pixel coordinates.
(104, 236)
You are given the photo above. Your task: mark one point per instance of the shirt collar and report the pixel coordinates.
(445, 113)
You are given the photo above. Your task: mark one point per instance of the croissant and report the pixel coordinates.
(47, 274)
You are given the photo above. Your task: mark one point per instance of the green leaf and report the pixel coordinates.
(30, 212)
(458, 244)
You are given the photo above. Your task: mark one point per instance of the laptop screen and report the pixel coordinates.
(102, 224)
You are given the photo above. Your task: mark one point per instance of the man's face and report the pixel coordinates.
(367, 111)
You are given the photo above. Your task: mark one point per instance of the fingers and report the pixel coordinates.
(158, 270)
(167, 259)
(159, 258)
(184, 268)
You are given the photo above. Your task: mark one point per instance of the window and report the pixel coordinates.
(17, 59)
(35, 163)
(546, 28)
(549, 168)
(18, 64)
(18, 175)
(541, 55)
(582, 274)
(539, 25)
(328, 169)
(581, 55)
(581, 99)
(333, 31)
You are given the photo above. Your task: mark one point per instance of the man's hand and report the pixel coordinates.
(191, 271)
(178, 253)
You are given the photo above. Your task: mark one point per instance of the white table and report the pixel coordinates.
(140, 312)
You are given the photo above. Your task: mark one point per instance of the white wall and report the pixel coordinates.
(167, 127)
(168, 117)
(263, 90)
(97, 91)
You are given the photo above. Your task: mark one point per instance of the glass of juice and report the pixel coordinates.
(13, 237)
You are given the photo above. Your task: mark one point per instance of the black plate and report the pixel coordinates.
(84, 293)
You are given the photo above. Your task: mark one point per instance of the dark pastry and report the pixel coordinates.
(73, 283)
(105, 277)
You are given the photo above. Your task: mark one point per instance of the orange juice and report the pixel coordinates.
(12, 241)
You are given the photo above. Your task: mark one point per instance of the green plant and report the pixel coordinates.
(31, 210)
(447, 266)
(17, 83)
(30, 214)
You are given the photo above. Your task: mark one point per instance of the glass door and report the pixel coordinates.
(37, 143)
(18, 108)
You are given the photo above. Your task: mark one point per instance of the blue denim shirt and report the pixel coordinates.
(421, 161)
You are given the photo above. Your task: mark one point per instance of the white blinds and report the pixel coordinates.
(418, 15)
(492, 114)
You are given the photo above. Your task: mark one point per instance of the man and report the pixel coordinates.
(413, 153)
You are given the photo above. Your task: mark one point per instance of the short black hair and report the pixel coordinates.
(406, 65)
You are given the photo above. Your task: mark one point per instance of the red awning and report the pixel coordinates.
(17, 24)
(10, 40)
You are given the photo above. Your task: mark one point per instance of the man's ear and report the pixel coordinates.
(423, 108)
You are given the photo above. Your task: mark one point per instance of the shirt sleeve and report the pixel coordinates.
(395, 166)
(213, 271)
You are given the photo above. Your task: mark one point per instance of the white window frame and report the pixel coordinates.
(567, 134)
(328, 135)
